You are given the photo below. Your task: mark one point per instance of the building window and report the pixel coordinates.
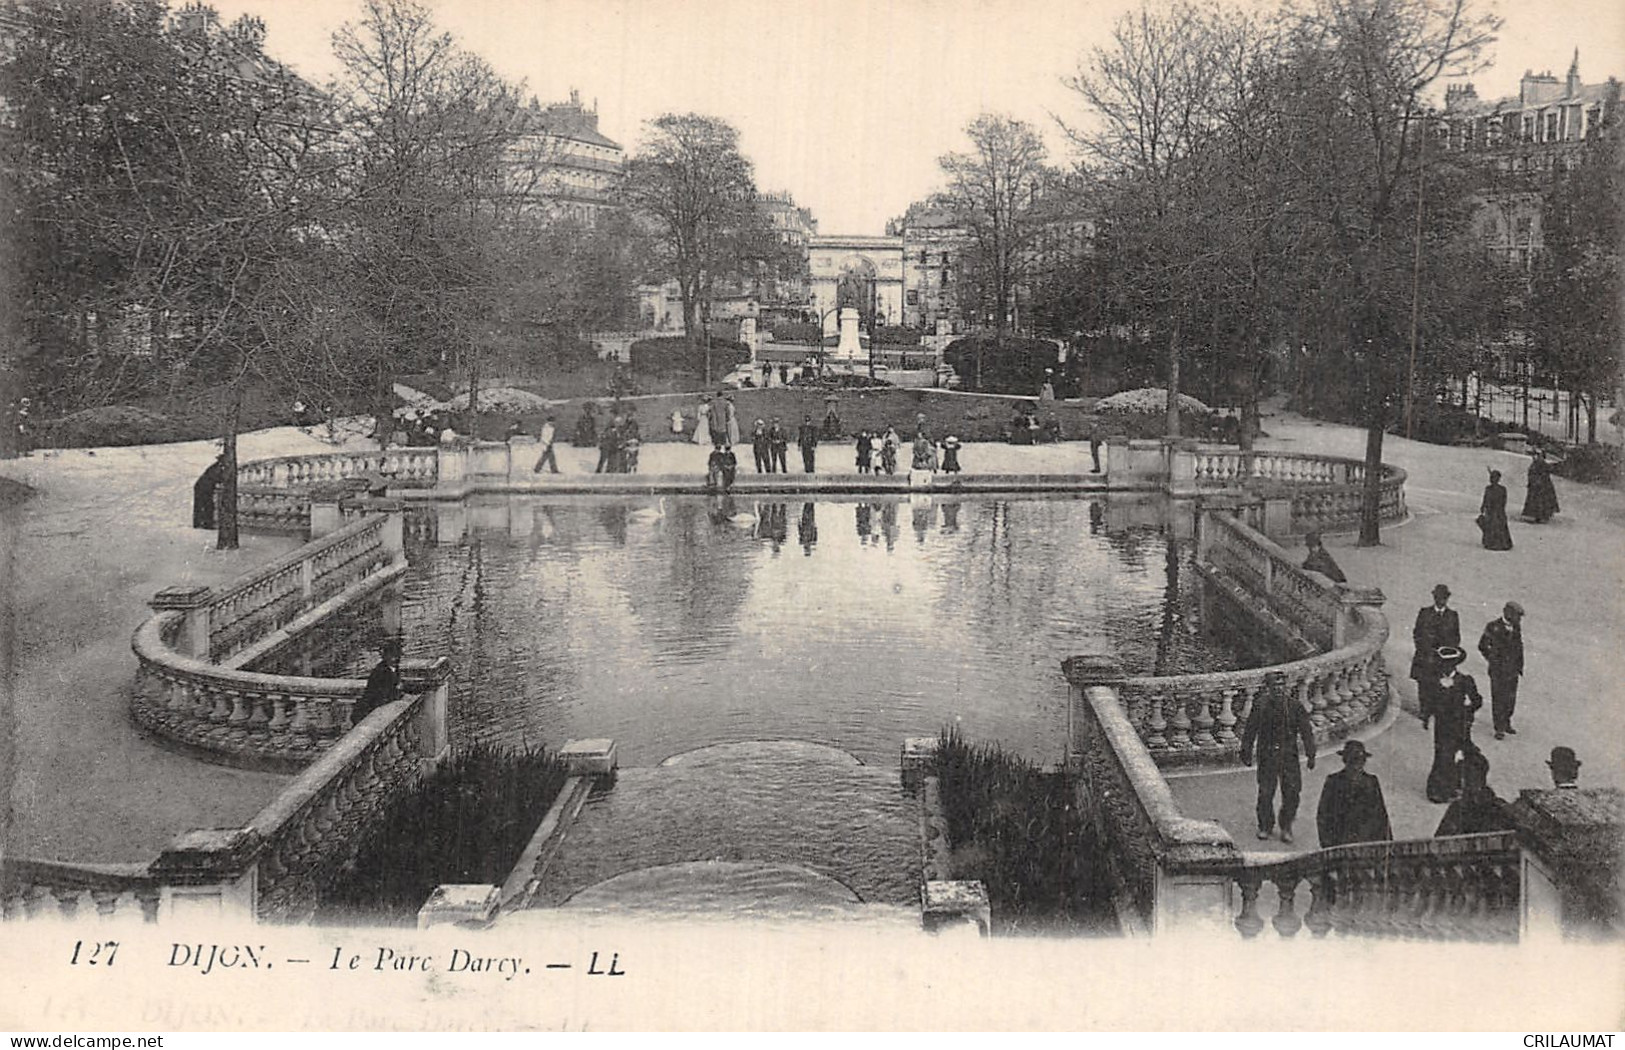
(914, 297)
(1551, 127)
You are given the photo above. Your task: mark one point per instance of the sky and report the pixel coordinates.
(847, 104)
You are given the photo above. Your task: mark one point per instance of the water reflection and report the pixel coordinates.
(572, 619)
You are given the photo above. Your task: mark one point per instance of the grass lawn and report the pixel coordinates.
(970, 417)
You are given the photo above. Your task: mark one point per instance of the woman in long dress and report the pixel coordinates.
(1455, 703)
(1492, 515)
(888, 449)
(702, 423)
(732, 420)
(1540, 495)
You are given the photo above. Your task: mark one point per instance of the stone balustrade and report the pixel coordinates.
(36, 890)
(1343, 682)
(1458, 888)
(1325, 492)
(1270, 576)
(1167, 870)
(406, 467)
(192, 687)
(278, 866)
(1175, 875)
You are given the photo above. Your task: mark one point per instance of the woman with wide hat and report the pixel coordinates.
(1455, 702)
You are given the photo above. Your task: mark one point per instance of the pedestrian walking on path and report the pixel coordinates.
(807, 438)
(1457, 701)
(203, 493)
(1565, 767)
(1502, 647)
(759, 449)
(1540, 495)
(889, 444)
(1351, 803)
(548, 459)
(1437, 626)
(1275, 725)
(866, 451)
(730, 420)
(1492, 515)
(778, 443)
(702, 423)
(1478, 809)
(1094, 447)
(950, 455)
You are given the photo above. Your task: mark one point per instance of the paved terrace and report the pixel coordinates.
(111, 526)
(1569, 575)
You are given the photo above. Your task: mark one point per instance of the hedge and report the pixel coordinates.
(673, 354)
(1017, 368)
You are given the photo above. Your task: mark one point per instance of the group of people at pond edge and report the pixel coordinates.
(1539, 503)
(1279, 734)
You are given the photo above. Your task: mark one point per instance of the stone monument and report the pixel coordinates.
(849, 348)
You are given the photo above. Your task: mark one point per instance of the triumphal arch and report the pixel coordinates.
(861, 272)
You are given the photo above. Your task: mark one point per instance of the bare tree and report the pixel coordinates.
(697, 193)
(1149, 99)
(994, 191)
(1363, 66)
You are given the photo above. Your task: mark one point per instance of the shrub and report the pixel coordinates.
(1593, 464)
(468, 821)
(794, 332)
(1017, 829)
(668, 355)
(1016, 369)
(896, 335)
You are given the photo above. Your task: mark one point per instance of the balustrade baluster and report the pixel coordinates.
(1179, 722)
(1155, 725)
(280, 720)
(1202, 723)
(1224, 733)
(1248, 923)
(1286, 922)
(1319, 918)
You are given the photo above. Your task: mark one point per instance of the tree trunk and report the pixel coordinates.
(1371, 493)
(225, 499)
(1591, 418)
(1249, 402)
(1173, 382)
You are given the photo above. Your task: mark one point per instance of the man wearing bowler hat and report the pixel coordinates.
(1502, 646)
(1351, 804)
(1275, 725)
(1436, 625)
(1565, 767)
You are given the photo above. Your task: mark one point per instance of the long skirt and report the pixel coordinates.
(702, 429)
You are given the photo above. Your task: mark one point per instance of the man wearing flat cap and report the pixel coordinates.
(1502, 646)
(1436, 625)
(1351, 804)
(1275, 726)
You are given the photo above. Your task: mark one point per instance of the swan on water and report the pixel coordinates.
(654, 513)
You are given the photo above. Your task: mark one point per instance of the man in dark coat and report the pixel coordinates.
(1437, 625)
(807, 438)
(1502, 646)
(759, 448)
(1275, 726)
(1351, 804)
(383, 684)
(1320, 561)
(203, 493)
(778, 442)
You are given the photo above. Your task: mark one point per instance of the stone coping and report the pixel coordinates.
(752, 484)
(1181, 842)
